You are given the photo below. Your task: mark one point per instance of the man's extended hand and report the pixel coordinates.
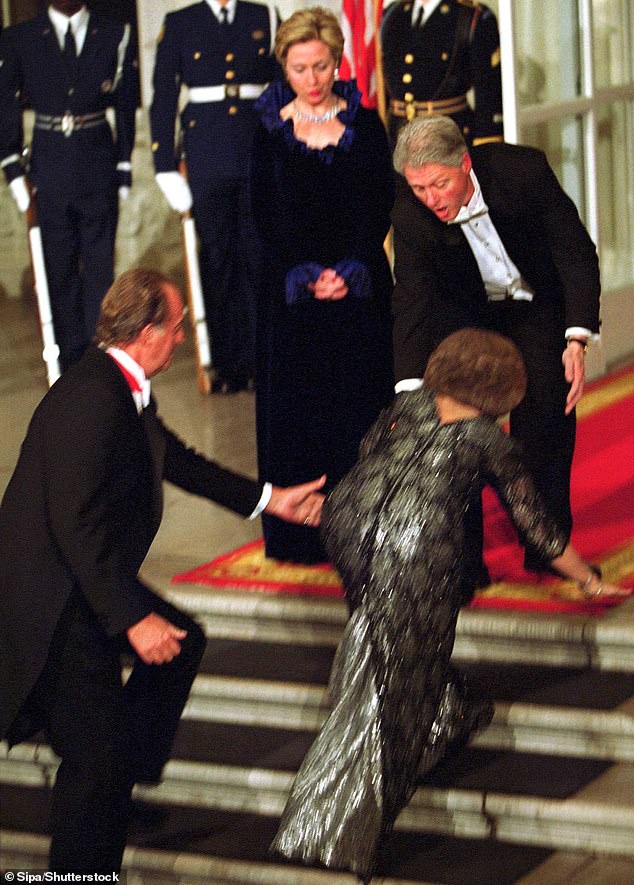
(300, 503)
(155, 640)
(575, 370)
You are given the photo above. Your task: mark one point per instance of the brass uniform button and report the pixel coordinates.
(409, 58)
(233, 110)
(409, 96)
(229, 56)
(261, 51)
(197, 55)
(191, 124)
(155, 145)
(229, 75)
(444, 56)
(407, 78)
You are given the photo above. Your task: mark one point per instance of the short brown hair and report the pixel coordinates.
(309, 24)
(429, 140)
(135, 300)
(479, 368)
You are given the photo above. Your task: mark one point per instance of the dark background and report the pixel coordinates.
(119, 10)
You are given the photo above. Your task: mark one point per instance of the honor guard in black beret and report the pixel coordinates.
(70, 65)
(434, 52)
(222, 53)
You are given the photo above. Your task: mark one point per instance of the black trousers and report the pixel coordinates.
(108, 735)
(230, 266)
(78, 237)
(539, 422)
(546, 433)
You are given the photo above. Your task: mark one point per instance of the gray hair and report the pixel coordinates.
(429, 140)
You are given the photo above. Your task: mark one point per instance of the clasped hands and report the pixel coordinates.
(329, 286)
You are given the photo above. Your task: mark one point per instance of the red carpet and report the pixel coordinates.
(603, 507)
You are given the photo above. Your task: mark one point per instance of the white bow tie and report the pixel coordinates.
(466, 213)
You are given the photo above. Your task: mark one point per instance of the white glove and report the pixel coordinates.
(20, 192)
(175, 189)
(124, 193)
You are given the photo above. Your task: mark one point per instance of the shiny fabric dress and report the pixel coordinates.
(394, 529)
(324, 368)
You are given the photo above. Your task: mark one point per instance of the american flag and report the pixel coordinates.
(360, 20)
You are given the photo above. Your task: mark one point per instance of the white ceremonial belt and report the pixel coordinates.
(12, 158)
(204, 94)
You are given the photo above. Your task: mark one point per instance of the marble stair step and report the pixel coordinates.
(604, 642)
(201, 842)
(558, 728)
(588, 818)
(509, 681)
(473, 767)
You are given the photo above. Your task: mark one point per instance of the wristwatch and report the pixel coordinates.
(581, 341)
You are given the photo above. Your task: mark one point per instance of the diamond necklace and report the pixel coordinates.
(313, 118)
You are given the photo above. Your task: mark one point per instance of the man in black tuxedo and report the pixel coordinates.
(76, 522)
(488, 238)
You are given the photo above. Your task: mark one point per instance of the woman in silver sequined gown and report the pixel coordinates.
(394, 529)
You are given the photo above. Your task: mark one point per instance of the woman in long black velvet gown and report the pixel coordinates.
(394, 529)
(322, 189)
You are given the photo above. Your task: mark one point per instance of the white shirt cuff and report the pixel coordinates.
(406, 384)
(265, 497)
(580, 332)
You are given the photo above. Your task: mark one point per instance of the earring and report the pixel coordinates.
(336, 73)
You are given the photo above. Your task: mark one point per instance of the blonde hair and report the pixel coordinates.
(304, 25)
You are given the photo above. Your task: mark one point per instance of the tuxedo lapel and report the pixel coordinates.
(156, 443)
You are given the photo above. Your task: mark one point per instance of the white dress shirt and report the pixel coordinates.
(142, 395)
(230, 7)
(78, 25)
(500, 276)
(427, 8)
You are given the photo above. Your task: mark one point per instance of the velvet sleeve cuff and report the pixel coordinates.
(297, 280)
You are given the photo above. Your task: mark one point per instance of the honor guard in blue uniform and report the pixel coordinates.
(69, 65)
(222, 53)
(434, 52)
